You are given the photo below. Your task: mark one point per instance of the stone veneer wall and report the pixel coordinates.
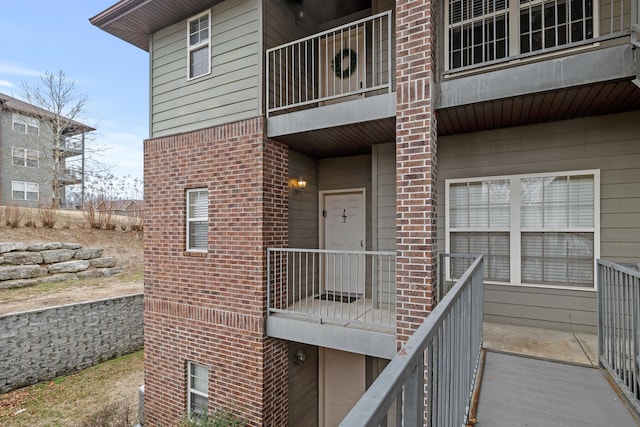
(28, 264)
(39, 345)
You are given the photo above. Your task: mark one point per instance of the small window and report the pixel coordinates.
(197, 219)
(199, 51)
(27, 125)
(25, 190)
(24, 157)
(198, 389)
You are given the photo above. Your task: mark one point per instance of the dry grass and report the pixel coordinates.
(124, 246)
(66, 401)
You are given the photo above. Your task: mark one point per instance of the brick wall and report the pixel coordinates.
(210, 308)
(415, 164)
(39, 345)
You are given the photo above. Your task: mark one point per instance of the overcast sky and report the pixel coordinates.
(46, 36)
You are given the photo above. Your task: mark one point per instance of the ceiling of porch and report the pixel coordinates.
(568, 103)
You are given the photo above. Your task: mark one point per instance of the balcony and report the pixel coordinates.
(342, 77)
(71, 147)
(338, 299)
(536, 61)
(70, 176)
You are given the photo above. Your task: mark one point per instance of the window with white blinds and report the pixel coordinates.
(531, 229)
(198, 385)
(197, 219)
(199, 42)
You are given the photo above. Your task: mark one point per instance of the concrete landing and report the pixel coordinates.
(543, 343)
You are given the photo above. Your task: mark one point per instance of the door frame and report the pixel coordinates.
(321, 196)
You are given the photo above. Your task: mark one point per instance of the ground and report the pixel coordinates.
(66, 401)
(124, 246)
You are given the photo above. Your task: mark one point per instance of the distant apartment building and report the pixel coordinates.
(309, 160)
(27, 149)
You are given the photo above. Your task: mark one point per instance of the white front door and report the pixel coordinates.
(342, 382)
(344, 230)
(342, 66)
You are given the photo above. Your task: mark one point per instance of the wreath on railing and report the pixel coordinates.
(336, 64)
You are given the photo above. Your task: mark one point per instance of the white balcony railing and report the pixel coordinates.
(332, 286)
(347, 61)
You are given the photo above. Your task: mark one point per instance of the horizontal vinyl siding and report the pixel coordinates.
(385, 159)
(229, 93)
(41, 175)
(608, 143)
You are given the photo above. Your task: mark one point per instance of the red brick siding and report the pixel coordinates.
(415, 164)
(210, 308)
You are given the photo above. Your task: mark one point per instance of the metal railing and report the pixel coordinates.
(619, 326)
(328, 285)
(450, 268)
(353, 59)
(445, 350)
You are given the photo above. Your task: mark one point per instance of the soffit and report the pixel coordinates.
(135, 20)
(581, 101)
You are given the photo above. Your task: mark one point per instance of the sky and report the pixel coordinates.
(47, 36)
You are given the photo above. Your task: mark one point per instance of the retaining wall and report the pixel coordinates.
(39, 345)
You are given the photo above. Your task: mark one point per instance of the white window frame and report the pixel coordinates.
(27, 155)
(191, 390)
(194, 219)
(515, 229)
(24, 184)
(202, 44)
(27, 122)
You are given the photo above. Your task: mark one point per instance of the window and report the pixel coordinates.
(198, 389)
(532, 229)
(485, 30)
(24, 157)
(27, 125)
(25, 190)
(199, 51)
(197, 220)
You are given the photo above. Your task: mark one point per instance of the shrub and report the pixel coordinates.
(13, 215)
(222, 418)
(48, 217)
(91, 214)
(114, 414)
(135, 219)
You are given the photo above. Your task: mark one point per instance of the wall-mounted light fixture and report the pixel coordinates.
(299, 184)
(300, 357)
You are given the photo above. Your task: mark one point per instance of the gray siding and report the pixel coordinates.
(384, 214)
(303, 205)
(303, 386)
(230, 93)
(8, 172)
(608, 143)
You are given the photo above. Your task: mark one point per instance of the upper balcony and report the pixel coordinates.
(71, 146)
(339, 77)
(506, 64)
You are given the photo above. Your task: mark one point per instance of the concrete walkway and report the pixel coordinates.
(543, 343)
(533, 377)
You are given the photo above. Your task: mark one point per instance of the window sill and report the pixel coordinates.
(541, 286)
(196, 254)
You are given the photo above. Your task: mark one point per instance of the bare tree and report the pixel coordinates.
(60, 108)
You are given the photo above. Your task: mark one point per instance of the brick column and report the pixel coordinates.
(210, 308)
(415, 164)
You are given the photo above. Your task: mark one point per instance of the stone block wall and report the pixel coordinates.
(39, 345)
(28, 264)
